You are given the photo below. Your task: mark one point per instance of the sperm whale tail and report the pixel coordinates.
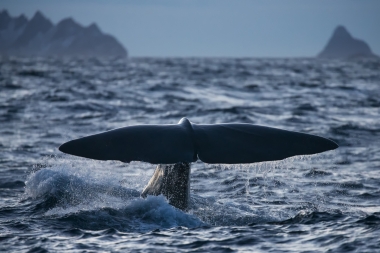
(186, 142)
(174, 147)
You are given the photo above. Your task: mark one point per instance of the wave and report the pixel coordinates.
(97, 202)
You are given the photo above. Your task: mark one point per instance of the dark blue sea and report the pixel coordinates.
(53, 202)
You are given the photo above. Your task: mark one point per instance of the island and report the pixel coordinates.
(40, 37)
(343, 46)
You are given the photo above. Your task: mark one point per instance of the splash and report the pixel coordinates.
(101, 199)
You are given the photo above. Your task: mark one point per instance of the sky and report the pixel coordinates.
(216, 28)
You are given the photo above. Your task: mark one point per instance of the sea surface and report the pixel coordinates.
(53, 202)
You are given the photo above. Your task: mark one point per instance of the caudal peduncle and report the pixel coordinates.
(172, 181)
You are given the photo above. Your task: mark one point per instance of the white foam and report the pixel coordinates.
(80, 191)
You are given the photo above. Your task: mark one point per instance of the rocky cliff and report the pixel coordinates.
(40, 37)
(343, 46)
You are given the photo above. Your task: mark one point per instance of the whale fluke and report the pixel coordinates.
(174, 147)
(186, 142)
(246, 143)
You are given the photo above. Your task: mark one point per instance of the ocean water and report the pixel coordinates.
(53, 202)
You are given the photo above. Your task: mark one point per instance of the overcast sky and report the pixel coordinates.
(231, 28)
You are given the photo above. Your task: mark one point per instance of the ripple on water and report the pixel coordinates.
(53, 202)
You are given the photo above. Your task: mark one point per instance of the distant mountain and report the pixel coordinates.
(343, 46)
(40, 37)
